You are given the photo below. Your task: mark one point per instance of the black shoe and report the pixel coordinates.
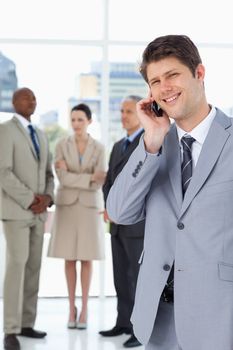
(32, 333)
(115, 331)
(11, 342)
(132, 342)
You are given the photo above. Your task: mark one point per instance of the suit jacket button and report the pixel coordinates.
(166, 267)
(180, 225)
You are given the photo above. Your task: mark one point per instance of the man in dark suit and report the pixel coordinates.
(127, 240)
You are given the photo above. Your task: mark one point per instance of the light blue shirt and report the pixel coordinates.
(134, 135)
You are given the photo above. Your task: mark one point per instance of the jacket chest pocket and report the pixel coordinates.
(218, 188)
(225, 271)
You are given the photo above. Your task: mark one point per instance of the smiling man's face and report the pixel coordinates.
(173, 86)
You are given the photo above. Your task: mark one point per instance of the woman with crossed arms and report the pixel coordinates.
(77, 233)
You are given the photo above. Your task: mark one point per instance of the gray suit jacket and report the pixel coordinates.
(117, 161)
(196, 232)
(21, 173)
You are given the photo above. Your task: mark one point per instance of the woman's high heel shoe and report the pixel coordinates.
(73, 324)
(82, 325)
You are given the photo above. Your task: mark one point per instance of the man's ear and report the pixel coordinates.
(200, 72)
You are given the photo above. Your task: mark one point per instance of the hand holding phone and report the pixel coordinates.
(155, 128)
(156, 109)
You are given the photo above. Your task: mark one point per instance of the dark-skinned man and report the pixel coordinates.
(26, 191)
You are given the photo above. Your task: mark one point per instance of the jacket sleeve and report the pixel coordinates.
(49, 189)
(75, 180)
(100, 166)
(9, 182)
(127, 197)
(108, 182)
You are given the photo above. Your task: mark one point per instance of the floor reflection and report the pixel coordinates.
(52, 318)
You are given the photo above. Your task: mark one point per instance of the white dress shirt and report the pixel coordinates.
(199, 133)
(25, 124)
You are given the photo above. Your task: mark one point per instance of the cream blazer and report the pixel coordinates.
(75, 183)
(21, 173)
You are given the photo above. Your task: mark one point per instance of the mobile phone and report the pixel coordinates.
(156, 109)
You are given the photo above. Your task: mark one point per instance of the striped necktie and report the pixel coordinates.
(186, 166)
(186, 169)
(34, 141)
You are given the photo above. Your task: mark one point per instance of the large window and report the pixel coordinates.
(143, 20)
(53, 72)
(69, 51)
(46, 20)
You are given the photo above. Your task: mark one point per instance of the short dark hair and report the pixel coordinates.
(84, 108)
(178, 46)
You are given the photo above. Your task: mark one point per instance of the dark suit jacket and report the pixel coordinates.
(117, 161)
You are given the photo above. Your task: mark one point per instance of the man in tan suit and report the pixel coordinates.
(26, 190)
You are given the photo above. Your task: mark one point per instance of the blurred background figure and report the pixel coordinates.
(77, 232)
(127, 240)
(26, 183)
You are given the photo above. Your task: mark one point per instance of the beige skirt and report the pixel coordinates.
(77, 233)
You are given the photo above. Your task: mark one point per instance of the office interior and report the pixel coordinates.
(89, 51)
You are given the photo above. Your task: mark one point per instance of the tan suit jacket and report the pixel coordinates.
(75, 184)
(21, 174)
(77, 231)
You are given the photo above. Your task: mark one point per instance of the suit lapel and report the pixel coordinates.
(209, 155)
(42, 144)
(26, 135)
(172, 149)
(88, 153)
(73, 153)
(123, 157)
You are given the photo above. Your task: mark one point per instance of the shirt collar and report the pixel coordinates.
(200, 132)
(22, 120)
(134, 135)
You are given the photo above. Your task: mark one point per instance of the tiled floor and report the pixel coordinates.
(52, 318)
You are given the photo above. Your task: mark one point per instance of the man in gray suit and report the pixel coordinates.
(26, 185)
(127, 240)
(180, 179)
